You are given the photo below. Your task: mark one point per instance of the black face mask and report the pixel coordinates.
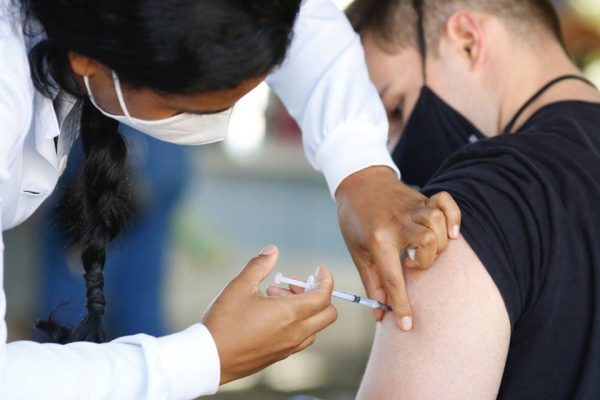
(434, 131)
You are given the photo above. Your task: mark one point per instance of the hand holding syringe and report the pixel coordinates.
(310, 285)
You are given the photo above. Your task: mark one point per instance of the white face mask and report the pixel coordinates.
(186, 128)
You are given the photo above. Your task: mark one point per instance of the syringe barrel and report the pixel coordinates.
(344, 296)
(370, 303)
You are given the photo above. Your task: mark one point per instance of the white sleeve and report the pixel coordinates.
(181, 366)
(325, 85)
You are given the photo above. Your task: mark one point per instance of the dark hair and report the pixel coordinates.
(170, 46)
(393, 22)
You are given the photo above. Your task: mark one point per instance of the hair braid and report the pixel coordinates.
(96, 209)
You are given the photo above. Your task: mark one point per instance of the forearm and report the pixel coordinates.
(180, 366)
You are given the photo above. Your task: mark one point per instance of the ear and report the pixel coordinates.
(465, 32)
(82, 65)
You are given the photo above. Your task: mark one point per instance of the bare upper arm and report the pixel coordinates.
(460, 340)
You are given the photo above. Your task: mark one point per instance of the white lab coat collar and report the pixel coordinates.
(46, 128)
(53, 120)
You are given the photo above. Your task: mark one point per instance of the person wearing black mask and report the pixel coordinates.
(484, 103)
(433, 129)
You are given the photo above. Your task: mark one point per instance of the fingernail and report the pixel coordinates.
(406, 323)
(269, 250)
(412, 254)
(311, 284)
(456, 231)
(319, 273)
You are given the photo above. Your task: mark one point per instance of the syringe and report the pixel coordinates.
(310, 285)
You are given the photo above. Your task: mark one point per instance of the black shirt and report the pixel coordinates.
(531, 212)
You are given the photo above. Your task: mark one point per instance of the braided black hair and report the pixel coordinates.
(95, 208)
(171, 46)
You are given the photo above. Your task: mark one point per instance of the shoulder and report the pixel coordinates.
(568, 130)
(524, 175)
(517, 170)
(498, 176)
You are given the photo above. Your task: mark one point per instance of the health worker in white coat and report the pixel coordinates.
(173, 69)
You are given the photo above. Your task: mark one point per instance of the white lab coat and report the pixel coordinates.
(324, 83)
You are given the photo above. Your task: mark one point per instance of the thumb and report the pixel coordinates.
(323, 276)
(260, 266)
(447, 204)
(324, 279)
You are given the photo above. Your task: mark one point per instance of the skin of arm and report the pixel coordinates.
(459, 344)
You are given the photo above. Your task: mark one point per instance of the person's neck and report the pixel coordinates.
(535, 69)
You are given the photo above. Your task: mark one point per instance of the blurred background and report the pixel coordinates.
(227, 203)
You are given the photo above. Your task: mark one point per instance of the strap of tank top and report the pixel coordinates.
(540, 92)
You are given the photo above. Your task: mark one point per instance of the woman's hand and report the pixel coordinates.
(253, 331)
(380, 217)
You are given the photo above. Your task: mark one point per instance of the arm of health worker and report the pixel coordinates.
(181, 366)
(251, 331)
(325, 85)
